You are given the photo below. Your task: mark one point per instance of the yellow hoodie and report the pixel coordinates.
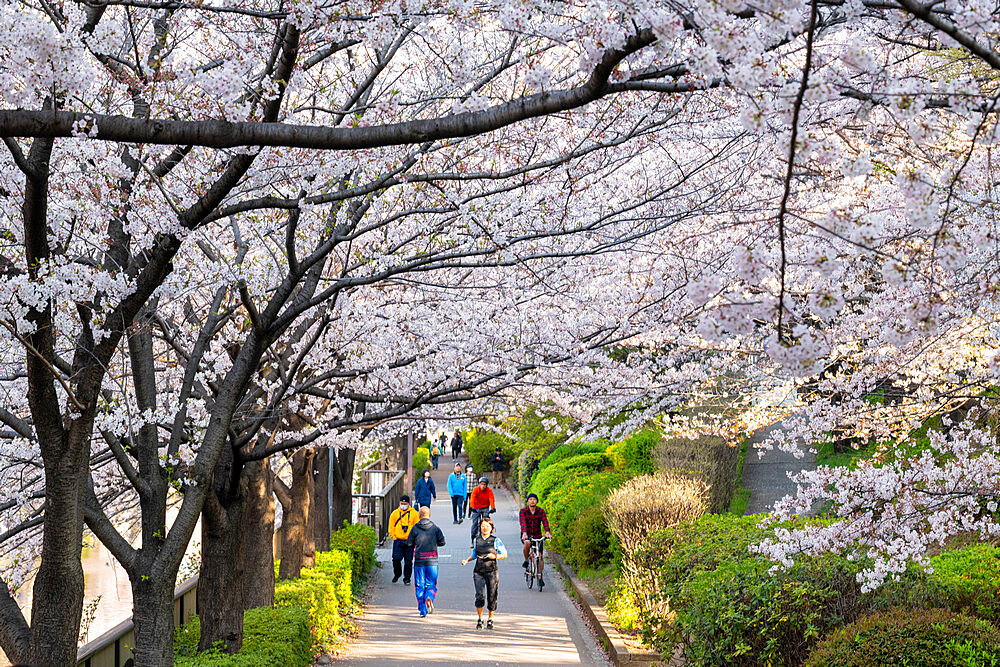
(400, 523)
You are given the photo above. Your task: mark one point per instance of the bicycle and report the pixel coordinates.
(534, 558)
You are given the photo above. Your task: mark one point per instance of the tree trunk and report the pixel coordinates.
(220, 583)
(320, 511)
(153, 615)
(57, 592)
(296, 550)
(258, 527)
(342, 479)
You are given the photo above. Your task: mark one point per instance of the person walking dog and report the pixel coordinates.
(486, 551)
(425, 538)
(457, 490)
(402, 519)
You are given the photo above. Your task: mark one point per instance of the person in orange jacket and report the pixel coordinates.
(481, 503)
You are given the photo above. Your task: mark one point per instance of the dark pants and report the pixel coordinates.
(434, 461)
(456, 508)
(486, 582)
(455, 451)
(465, 505)
(477, 518)
(402, 559)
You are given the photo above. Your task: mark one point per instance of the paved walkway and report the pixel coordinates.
(532, 628)
(767, 477)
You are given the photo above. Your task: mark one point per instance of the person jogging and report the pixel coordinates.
(456, 446)
(423, 491)
(425, 538)
(487, 549)
(470, 483)
(402, 519)
(533, 519)
(482, 503)
(457, 489)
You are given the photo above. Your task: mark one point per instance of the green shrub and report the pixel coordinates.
(359, 541)
(635, 453)
(271, 636)
(568, 502)
(724, 605)
(623, 610)
(480, 445)
(546, 480)
(591, 541)
(968, 580)
(911, 637)
(572, 449)
(421, 459)
(318, 595)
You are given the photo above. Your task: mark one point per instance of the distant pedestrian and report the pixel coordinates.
(457, 489)
(402, 519)
(497, 461)
(435, 454)
(486, 551)
(423, 491)
(425, 538)
(471, 479)
(456, 446)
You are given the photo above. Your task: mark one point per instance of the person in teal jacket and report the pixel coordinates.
(456, 489)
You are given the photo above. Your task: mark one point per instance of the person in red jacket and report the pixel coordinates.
(481, 503)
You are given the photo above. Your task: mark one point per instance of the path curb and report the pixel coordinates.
(604, 629)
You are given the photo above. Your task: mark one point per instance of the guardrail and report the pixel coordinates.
(374, 508)
(114, 647)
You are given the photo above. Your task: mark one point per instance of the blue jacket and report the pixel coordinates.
(456, 484)
(424, 490)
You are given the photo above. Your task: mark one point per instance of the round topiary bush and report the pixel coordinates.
(911, 637)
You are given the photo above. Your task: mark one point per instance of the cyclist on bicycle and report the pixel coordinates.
(533, 519)
(481, 503)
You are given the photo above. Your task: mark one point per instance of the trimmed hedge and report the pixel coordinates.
(271, 636)
(635, 453)
(708, 458)
(421, 459)
(911, 637)
(547, 480)
(359, 541)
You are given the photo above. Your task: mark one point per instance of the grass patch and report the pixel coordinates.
(741, 496)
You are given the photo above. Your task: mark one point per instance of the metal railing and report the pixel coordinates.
(373, 507)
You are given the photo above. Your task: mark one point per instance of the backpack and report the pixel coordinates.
(435, 451)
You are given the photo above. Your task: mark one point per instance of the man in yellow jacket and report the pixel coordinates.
(401, 521)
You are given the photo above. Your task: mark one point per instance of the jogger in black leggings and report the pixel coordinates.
(486, 551)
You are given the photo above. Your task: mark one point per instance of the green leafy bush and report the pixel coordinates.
(635, 453)
(567, 503)
(546, 480)
(421, 459)
(911, 637)
(359, 541)
(480, 445)
(591, 543)
(571, 449)
(968, 580)
(318, 595)
(623, 611)
(271, 636)
(724, 605)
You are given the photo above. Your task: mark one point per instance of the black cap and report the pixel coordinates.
(404, 498)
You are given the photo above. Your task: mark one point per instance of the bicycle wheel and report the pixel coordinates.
(532, 569)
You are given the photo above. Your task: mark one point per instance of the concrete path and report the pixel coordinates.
(532, 628)
(767, 477)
